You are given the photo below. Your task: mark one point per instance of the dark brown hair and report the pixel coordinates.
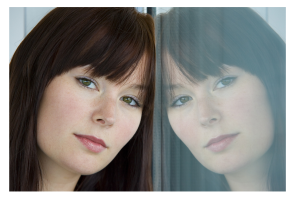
(111, 41)
(201, 40)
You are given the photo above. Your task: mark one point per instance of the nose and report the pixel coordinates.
(208, 112)
(105, 112)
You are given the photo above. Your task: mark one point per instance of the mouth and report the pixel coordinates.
(221, 142)
(91, 143)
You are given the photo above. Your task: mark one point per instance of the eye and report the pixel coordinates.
(224, 82)
(130, 101)
(181, 101)
(87, 83)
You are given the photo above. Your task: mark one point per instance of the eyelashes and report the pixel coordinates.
(132, 101)
(180, 101)
(221, 83)
(89, 83)
(224, 82)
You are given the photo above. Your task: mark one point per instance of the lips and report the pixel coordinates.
(91, 143)
(220, 143)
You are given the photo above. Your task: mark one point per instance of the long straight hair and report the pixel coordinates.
(112, 41)
(201, 40)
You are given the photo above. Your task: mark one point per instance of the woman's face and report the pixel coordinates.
(83, 122)
(226, 121)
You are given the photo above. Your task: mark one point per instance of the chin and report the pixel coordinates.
(88, 172)
(223, 165)
(85, 166)
(224, 168)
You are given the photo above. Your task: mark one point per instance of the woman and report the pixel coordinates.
(81, 102)
(225, 77)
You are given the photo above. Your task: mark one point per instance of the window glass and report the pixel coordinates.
(219, 120)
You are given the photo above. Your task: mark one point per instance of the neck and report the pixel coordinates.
(253, 177)
(55, 177)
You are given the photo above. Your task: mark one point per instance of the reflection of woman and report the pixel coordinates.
(81, 103)
(225, 68)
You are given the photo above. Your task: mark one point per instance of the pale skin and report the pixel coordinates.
(235, 103)
(76, 103)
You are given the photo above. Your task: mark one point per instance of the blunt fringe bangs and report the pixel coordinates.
(201, 40)
(112, 42)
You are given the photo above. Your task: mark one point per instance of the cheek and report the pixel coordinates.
(68, 106)
(177, 123)
(251, 109)
(183, 122)
(127, 127)
(250, 114)
(59, 112)
(238, 109)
